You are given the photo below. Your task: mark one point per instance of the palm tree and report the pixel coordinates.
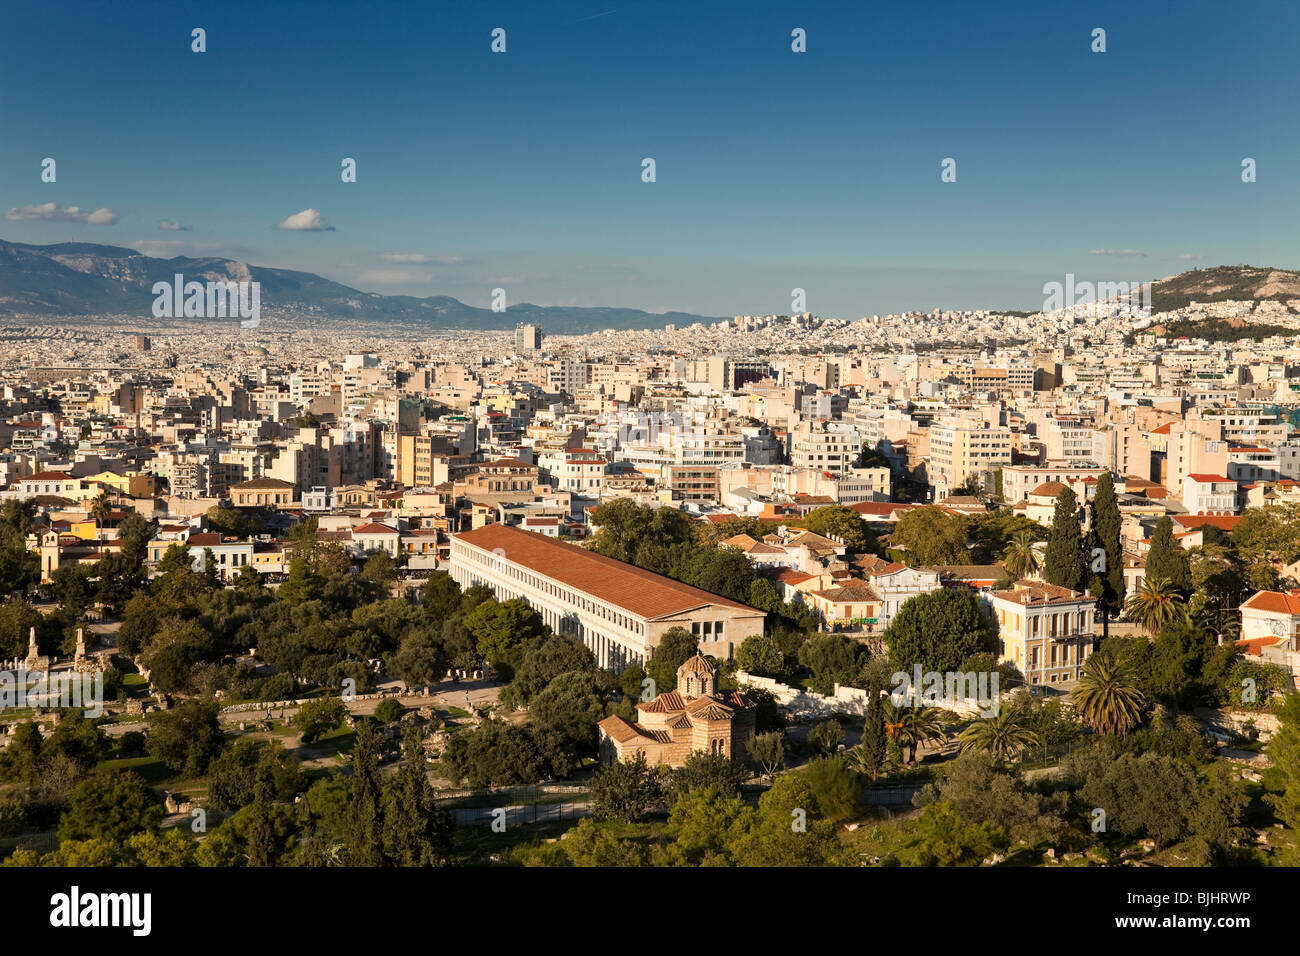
(1156, 604)
(922, 725)
(1005, 735)
(860, 761)
(1106, 695)
(912, 727)
(1020, 559)
(100, 509)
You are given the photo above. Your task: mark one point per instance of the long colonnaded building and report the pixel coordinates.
(618, 610)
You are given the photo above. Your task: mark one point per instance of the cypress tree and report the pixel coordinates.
(1166, 561)
(1063, 564)
(260, 849)
(416, 833)
(365, 833)
(1108, 581)
(873, 731)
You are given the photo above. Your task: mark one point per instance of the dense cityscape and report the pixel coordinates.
(944, 583)
(853, 446)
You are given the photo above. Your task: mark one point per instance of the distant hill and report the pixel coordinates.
(1224, 283)
(81, 278)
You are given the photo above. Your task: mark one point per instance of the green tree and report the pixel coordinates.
(416, 831)
(676, 646)
(842, 522)
(870, 753)
(501, 630)
(495, 754)
(938, 631)
(701, 771)
(421, 661)
(625, 791)
(365, 834)
(1166, 559)
(1156, 604)
(571, 705)
(1106, 695)
(1020, 558)
(767, 751)
(943, 838)
(1107, 583)
(1283, 778)
(651, 537)
(110, 807)
(316, 718)
(1063, 563)
(931, 536)
(187, 738)
(1003, 735)
(548, 659)
(825, 736)
(793, 824)
(261, 836)
(760, 654)
(440, 597)
(832, 659)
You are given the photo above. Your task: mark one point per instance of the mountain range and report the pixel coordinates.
(82, 278)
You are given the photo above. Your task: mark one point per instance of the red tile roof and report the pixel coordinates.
(1255, 645)
(1277, 602)
(639, 592)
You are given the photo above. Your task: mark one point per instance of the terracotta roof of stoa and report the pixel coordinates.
(375, 527)
(636, 591)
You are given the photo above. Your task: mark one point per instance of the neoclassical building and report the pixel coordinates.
(696, 716)
(618, 610)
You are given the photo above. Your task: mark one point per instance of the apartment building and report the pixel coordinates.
(961, 448)
(825, 446)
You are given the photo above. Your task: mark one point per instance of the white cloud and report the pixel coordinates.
(309, 220)
(1189, 256)
(171, 225)
(394, 277)
(52, 212)
(421, 257)
(1117, 252)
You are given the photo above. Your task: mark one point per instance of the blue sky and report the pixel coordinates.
(775, 170)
